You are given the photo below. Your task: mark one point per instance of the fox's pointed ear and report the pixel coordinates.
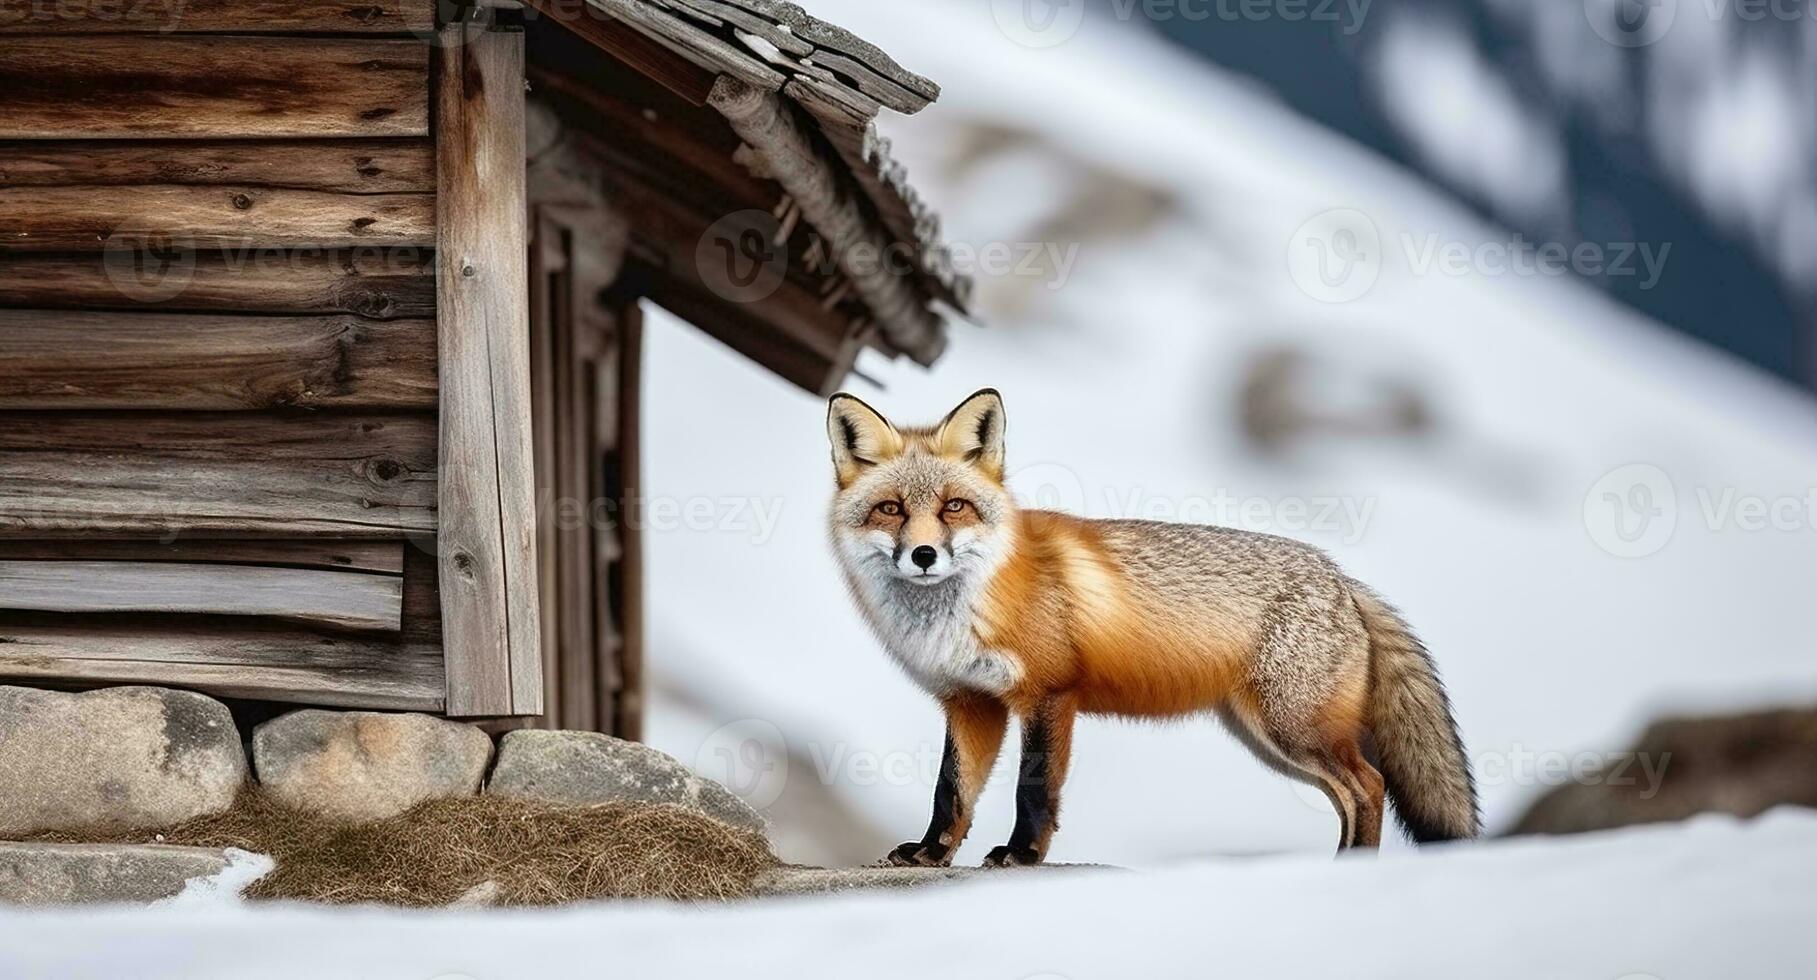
(974, 432)
(859, 435)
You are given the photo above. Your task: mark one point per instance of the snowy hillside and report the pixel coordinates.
(1187, 213)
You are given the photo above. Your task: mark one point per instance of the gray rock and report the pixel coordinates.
(362, 765)
(123, 757)
(586, 768)
(798, 880)
(1742, 764)
(64, 874)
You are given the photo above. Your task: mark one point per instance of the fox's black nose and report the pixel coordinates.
(925, 556)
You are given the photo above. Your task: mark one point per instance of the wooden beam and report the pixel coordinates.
(163, 86)
(354, 166)
(487, 496)
(347, 600)
(377, 557)
(786, 152)
(223, 658)
(236, 473)
(373, 282)
(626, 44)
(217, 16)
(758, 339)
(630, 590)
(40, 219)
(76, 360)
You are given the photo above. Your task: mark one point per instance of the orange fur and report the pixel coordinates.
(1063, 608)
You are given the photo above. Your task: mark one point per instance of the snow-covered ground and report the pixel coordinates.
(1198, 208)
(1712, 900)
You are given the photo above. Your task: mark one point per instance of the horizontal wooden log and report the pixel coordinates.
(373, 282)
(175, 216)
(357, 166)
(77, 360)
(377, 557)
(216, 16)
(164, 86)
(224, 474)
(347, 600)
(223, 658)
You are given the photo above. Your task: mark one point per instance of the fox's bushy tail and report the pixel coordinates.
(1417, 746)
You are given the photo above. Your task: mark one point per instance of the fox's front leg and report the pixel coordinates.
(974, 733)
(1047, 745)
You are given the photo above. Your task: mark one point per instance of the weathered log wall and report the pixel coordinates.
(218, 368)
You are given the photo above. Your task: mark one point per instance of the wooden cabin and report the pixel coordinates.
(312, 312)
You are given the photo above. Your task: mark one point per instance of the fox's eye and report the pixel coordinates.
(957, 506)
(889, 508)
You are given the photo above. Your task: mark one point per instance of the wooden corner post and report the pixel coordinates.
(486, 499)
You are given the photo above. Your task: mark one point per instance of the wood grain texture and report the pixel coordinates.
(165, 86)
(223, 657)
(176, 216)
(225, 474)
(372, 282)
(487, 494)
(216, 16)
(378, 557)
(77, 360)
(348, 600)
(355, 166)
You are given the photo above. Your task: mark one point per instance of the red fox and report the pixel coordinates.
(995, 610)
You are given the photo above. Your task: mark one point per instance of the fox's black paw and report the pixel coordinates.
(1011, 857)
(915, 854)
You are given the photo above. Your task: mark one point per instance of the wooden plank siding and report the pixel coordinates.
(350, 166)
(76, 474)
(241, 657)
(346, 600)
(380, 557)
(176, 216)
(81, 360)
(487, 495)
(177, 86)
(371, 282)
(216, 16)
(259, 295)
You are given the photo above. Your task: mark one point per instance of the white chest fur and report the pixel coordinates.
(928, 631)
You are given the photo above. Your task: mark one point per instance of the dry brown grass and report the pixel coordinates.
(537, 853)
